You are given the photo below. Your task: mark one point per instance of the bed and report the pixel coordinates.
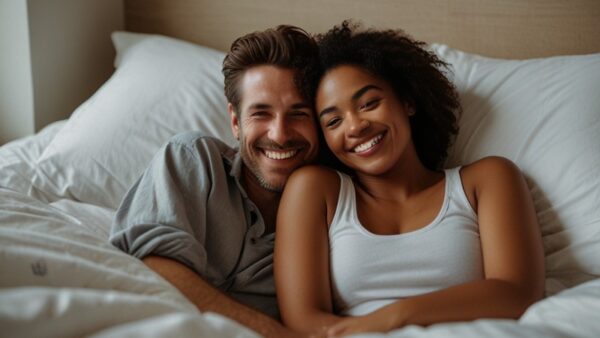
(528, 75)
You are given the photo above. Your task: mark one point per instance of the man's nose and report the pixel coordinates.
(279, 131)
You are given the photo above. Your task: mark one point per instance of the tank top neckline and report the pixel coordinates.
(431, 225)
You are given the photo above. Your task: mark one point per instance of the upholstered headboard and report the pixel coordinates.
(513, 29)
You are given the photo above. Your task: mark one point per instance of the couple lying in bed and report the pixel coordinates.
(374, 235)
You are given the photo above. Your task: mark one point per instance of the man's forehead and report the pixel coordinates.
(269, 86)
(268, 78)
(259, 72)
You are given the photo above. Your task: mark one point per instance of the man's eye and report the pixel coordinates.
(299, 114)
(259, 113)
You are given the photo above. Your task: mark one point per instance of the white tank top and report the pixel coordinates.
(369, 271)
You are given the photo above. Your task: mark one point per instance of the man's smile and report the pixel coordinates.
(280, 154)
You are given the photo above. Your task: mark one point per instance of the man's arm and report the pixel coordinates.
(208, 298)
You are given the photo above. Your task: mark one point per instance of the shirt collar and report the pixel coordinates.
(234, 158)
(235, 161)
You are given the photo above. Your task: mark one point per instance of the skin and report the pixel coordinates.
(396, 194)
(274, 121)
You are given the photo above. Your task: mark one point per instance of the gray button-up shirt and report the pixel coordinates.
(189, 206)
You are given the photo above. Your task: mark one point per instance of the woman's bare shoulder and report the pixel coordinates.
(494, 168)
(314, 185)
(492, 174)
(313, 176)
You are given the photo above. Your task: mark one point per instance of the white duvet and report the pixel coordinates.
(60, 278)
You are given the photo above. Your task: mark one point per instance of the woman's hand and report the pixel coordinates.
(382, 320)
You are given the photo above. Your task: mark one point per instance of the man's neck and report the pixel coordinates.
(267, 201)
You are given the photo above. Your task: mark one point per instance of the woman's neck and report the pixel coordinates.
(399, 183)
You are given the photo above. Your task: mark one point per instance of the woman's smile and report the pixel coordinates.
(368, 147)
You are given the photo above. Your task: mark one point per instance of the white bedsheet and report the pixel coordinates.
(60, 278)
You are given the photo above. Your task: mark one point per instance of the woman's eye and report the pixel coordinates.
(370, 104)
(332, 122)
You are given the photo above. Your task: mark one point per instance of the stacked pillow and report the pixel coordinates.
(162, 86)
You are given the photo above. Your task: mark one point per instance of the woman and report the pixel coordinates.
(397, 240)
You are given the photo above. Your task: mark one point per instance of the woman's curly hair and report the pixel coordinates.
(415, 75)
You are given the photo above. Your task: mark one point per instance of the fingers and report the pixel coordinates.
(321, 333)
(336, 330)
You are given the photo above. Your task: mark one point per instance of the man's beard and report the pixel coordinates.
(253, 167)
(255, 171)
(252, 162)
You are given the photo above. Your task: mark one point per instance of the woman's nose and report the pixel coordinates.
(357, 124)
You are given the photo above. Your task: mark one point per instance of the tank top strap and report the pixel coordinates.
(453, 180)
(346, 204)
(456, 192)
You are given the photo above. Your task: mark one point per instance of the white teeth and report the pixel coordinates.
(278, 155)
(368, 145)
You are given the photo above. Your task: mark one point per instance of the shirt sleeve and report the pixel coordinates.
(164, 212)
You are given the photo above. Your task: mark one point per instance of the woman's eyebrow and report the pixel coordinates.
(363, 90)
(326, 111)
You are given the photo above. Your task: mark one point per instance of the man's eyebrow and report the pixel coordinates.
(259, 106)
(301, 105)
(355, 97)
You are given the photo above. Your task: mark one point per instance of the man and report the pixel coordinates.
(203, 215)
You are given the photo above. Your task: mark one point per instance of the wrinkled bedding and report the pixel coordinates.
(60, 278)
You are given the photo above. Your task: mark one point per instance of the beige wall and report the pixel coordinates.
(514, 29)
(65, 55)
(16, 90)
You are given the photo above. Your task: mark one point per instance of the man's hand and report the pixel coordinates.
(207, 298)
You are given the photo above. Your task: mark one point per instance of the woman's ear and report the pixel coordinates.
(410, 108)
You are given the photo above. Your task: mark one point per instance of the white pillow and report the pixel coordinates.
(544, 114)
(162, 86)
(18, 160)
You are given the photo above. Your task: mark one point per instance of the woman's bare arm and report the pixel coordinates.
(302, 251)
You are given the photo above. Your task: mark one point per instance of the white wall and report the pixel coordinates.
(65, 55)
(16, 89)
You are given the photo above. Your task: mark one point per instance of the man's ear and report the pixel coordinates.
(235, 123)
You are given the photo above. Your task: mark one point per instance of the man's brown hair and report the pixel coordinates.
(284, 46)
